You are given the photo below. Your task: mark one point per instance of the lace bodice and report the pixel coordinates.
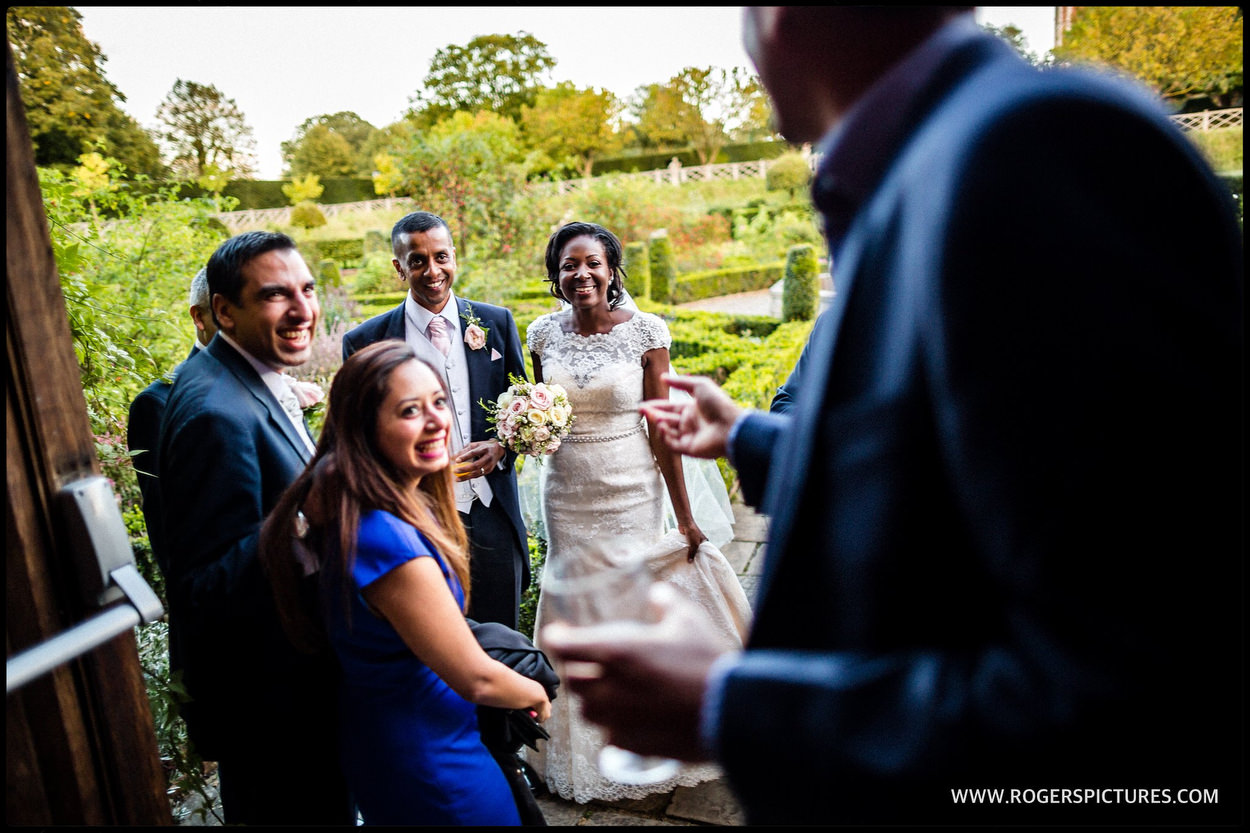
(601, 372)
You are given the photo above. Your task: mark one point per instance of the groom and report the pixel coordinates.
(475, 347)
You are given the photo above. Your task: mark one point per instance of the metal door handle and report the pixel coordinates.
(107, 573)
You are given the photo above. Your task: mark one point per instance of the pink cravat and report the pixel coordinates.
(438, 334)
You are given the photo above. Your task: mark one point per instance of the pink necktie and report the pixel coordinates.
(438, 334)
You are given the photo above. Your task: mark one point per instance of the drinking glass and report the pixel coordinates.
(608, 582)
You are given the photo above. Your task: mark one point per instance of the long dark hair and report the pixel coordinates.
(611, 248)
(345, 478)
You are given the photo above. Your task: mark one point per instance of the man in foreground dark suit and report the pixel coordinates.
(1006, 541)
(474, 369)
(232, 439)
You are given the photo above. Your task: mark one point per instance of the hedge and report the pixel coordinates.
(694, 286)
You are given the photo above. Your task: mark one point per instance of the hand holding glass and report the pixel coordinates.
(607, 583)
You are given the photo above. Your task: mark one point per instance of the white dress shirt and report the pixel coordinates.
(273, 380)
(454, 370)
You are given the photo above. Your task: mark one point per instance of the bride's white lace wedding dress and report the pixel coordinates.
(604, 481)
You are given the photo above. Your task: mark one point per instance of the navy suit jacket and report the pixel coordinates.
(487, 379)
(1005, 542)
(143, 432)
(227, 452)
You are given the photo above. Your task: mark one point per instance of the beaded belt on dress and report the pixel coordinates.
(603, 438)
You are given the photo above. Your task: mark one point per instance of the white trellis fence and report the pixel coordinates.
(674, 174)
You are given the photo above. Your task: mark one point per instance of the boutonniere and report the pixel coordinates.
(308, 394)
(474, 332)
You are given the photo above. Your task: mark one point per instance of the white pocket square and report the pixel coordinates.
(494, 355)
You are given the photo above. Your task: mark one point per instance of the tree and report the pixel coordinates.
(1183, 52)
(202, 128)
(1014, 35)
(573, 127)
(329, 145)
(71, 107)
(323, 153)
(467, 168)
(304, 189)
(500, 73)
(703, 108)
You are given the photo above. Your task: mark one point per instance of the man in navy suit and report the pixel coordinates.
(1005, 544)
(477, 351)
(232, 439)
(143, 428)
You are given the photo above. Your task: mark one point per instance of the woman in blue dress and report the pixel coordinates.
(368, 539)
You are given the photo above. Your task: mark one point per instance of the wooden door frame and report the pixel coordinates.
(80, 742)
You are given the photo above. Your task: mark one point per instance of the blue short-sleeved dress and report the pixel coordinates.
(412, 752)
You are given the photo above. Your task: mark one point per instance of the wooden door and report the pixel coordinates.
(80, 744)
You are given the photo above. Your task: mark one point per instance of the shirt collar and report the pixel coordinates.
(420, 317)
(272, 378)
(856, 152)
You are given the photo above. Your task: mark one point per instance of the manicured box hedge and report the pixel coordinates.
(694, 286)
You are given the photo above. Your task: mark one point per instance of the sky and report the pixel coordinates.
(282, 65)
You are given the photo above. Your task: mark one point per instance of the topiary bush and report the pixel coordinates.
(376, 240)
(800, 293)
(328, 273)
(788, 172)
(637, 270)
(307, 215)
(663, 267)
(376, 274)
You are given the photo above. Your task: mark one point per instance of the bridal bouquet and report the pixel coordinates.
(530, 419)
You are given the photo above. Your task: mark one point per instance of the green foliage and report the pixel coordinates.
(693, 286)
(328, 274)
(347, 252)
(376, 274)
(125, 285)
(203, 127)
(376, 240)
(572, 127)
(663, 267)
(1015, 37)
(800, 293)
(331, 145)
(304, 189)
(1222, 148)
(307, 215)
(769, 231)
(71, 106)
(1182, 52)
(529, 599)
(637, 265)
(494, 73)
(467, 169)
(789, 172)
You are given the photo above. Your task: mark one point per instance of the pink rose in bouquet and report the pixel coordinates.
(531, 419)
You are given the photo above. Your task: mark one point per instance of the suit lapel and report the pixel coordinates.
(395, 327)
(248, 377)
(477, 362)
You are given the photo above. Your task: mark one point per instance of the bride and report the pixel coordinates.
(610, 478)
